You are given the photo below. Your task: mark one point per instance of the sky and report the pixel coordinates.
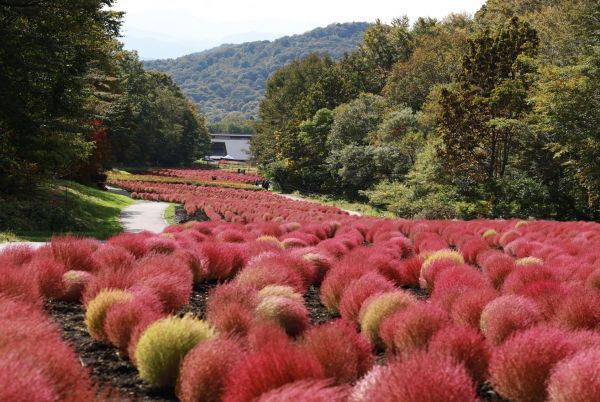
(172, 28)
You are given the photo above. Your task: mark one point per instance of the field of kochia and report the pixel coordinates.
(416, 310)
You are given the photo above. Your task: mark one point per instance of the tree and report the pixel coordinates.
(47, 51)
(435, 60)
(480, 113)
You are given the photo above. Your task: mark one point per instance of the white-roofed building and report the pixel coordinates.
(233, 146)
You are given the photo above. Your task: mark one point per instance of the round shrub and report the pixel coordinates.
(518, 278)
(344, 354)
(74, 282)
(576, 379)
(427, 277)
(422, 377)
(290, 315)
(465, 346)
(360, 290)
(506, 315)
(122, 318)
(337, 280)
(260, 273)
(455, 281)
(22, 381)
(521, 366)
(497, 266)
(49, 277)
(410, 329)
(98, 308)
(445, 254)
(377, 307)
(268, 369)
(580, 309)
(466, 308)
(164, 344)
(204, 369)
(281, 290)
(307, 391)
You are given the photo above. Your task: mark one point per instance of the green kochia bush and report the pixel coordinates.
(164, 344)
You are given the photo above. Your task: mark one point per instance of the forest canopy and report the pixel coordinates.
(495, 115)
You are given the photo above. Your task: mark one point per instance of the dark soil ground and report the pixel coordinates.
(108, 369)
(111, 371)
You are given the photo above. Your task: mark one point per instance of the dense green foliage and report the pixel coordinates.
(231, 78)
(73, 103)
(491, 116)
(152, 122)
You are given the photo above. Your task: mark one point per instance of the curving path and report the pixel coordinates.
(143, 215)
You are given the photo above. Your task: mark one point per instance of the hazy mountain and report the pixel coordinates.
(231, 78)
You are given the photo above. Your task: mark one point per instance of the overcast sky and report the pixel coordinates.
(171, 28)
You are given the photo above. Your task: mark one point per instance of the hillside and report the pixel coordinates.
(231, 78)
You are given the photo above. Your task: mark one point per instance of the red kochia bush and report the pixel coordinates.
(204, 369)
(23, 381)
(338, 279)
(497, 266)
(113, 257)
(422, 377)
(521, 366)
(524, 275)
(410, 329)
(75, 253)
(230, 308)
(580, 309)
(467, 308)
(133, 242)
(265, 270)
(410, 271)
(360, 290)
(49, 276)
(19, 283)
(291, 315)
(576, 379)
(307, 391)
(455, 281)
(171, 279)
(122, 318)
(259, 372)
(507, 314)
(465, 346)
(107, 279)
(344, 354)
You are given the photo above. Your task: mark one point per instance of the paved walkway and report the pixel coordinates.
(143, 215)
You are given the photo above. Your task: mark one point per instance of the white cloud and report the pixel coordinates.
(209, 22)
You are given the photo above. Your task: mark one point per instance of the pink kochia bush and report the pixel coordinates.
(344, 354)
(506, 315)
(360, 290)
(307, 391)
(289, 314)
(32, 350)
(410, 329)
(576, 379)
(521, 366)
(465, 346)
(422, 377)
(204, 369)
(267, 369)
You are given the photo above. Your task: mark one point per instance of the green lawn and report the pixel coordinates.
(169, 214)
(58, 208)
(364, 209)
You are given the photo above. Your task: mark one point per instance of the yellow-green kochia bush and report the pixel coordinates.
(379, 306)
(98, 307)
(164, 344)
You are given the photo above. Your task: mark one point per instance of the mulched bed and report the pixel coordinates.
(111, 371)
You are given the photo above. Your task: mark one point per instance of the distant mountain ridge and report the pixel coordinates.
(231, 78)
